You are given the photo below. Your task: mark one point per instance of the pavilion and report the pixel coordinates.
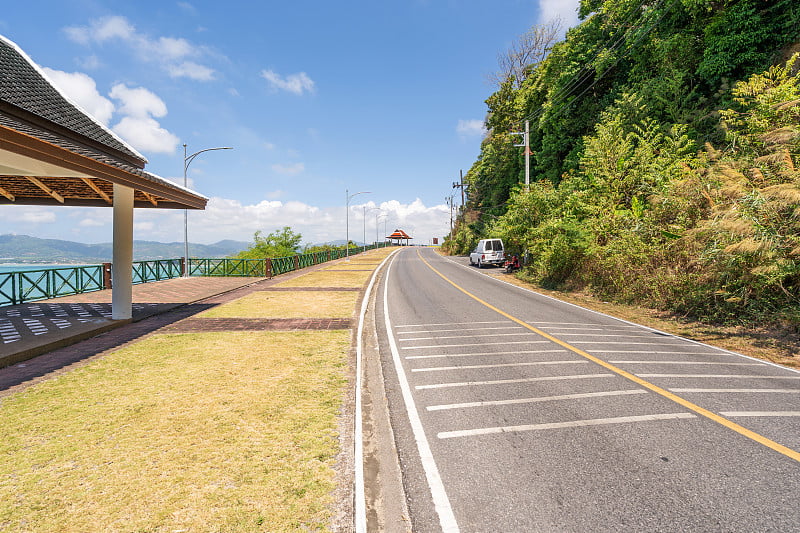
(52, 153)
(400, 236)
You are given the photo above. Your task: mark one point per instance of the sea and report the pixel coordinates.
(24, 267)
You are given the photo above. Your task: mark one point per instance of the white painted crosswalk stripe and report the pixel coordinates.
(503, 365)
(515, 401)
(508, 381)
(483, 354)
(562, 425)
(467, 344)
(522, 333)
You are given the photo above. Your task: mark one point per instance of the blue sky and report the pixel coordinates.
(315, 97)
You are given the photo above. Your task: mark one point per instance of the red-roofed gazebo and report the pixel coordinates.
(400, 236)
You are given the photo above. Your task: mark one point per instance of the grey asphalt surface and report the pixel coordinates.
(527, 435)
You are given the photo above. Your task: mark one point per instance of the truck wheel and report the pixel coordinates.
(480, 265)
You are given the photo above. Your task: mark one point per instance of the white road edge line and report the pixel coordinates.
(696, 343)
(560, 425)
(360, 510)
(440, 500)
(444, 407)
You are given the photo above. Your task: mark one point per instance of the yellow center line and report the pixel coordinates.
(788, 452)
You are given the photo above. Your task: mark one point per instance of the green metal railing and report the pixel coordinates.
(227, 267)
(144, 271)
(31, 285)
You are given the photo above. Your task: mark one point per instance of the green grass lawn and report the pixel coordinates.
(232, 431)
(289, 304)
(325, 278)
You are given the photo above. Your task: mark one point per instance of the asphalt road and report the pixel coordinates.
(516, 412)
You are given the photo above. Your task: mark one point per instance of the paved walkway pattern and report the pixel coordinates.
(34, 328)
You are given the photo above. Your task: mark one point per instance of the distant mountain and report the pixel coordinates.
(27, 249)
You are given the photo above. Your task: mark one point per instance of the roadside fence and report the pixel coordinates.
(41, 284)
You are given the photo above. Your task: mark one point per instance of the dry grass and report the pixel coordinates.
(352, 266)
(323, 278)
(195, 432)
(290, 304)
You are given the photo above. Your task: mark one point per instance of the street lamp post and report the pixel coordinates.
(187, 160)
(377, 216)
(347, 220)
(365, 223)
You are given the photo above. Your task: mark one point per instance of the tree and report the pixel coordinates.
(527, 51)
(279, 243)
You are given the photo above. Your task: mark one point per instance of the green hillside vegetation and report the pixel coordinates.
(666, 141)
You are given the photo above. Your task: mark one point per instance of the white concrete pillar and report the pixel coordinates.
(122, 263)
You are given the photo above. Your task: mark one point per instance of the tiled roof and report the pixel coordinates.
(399, 234)
(24, 86)
(55, 140)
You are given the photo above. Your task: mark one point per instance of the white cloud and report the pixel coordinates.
(189, 8)
(37, 217)
(82, 89)
(91, 62)
(138, 102)
(289, 170)
(566, 10)
(92, 223)
(143, 226)
(21, 215)
(138, 127)
(293, 83)
(101, 30)
(146, 135)
(470, 128)
(231, 219)
(171, 53)
(191, 70)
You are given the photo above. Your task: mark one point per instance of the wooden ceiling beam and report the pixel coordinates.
(150, 198)
(7, 194)
(98, 190)
(45, 188)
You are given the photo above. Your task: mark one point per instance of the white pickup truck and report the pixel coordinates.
(488, 252)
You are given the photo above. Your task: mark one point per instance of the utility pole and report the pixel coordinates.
(526, 142)
(449, 201)
(460, 186)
